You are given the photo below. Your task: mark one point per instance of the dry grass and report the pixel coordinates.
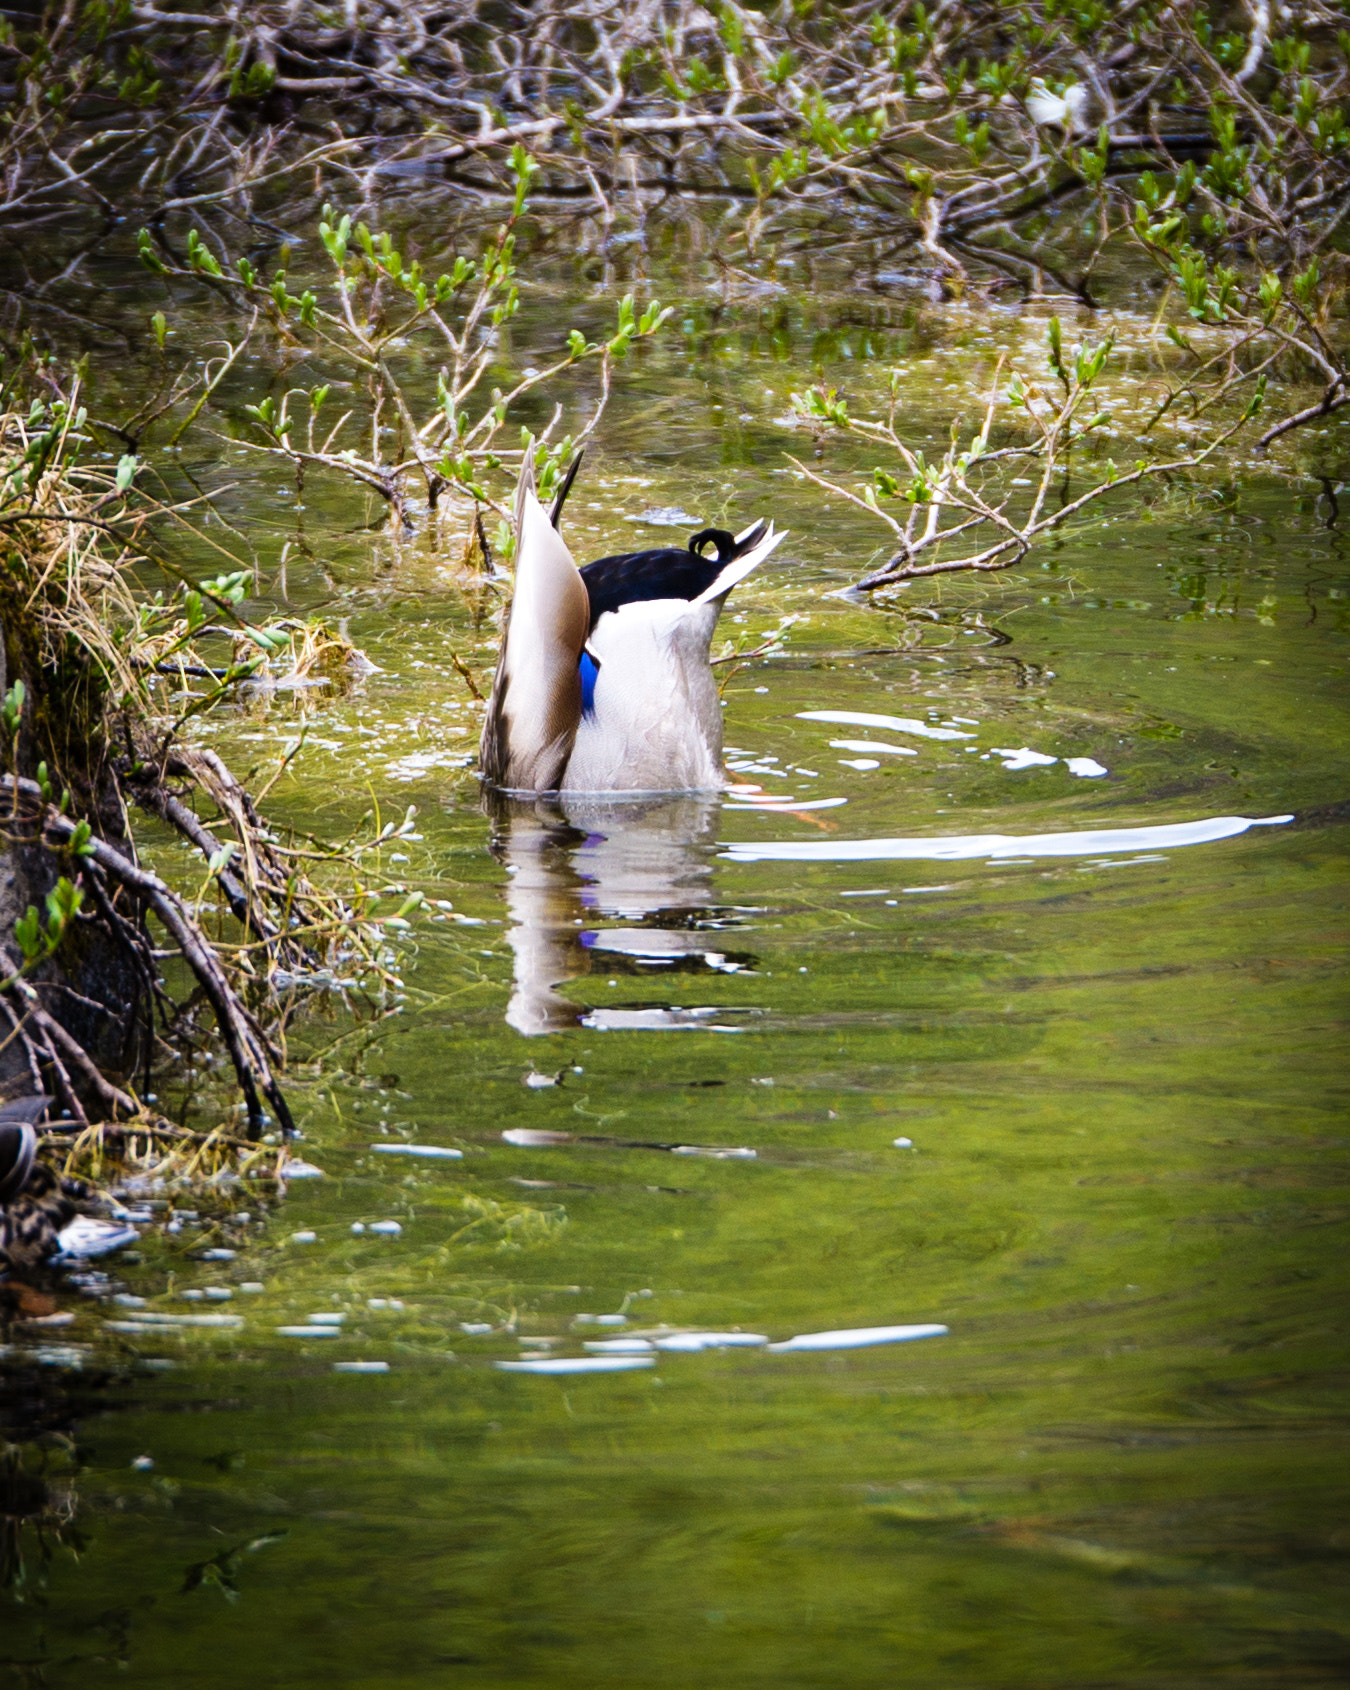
(98, 735)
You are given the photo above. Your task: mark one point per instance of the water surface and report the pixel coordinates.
(812, 1057)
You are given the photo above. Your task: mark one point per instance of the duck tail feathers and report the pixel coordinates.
(564, 488)
(535, 705)
(752, 535)
(753, 545)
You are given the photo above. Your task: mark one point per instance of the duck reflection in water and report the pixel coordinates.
(612, 886)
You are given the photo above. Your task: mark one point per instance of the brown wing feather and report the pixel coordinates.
(535, 706)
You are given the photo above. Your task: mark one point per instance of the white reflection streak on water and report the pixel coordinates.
(577, 867)
(1000, 847)
(897, 724)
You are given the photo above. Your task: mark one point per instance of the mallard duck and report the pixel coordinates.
(604, 682)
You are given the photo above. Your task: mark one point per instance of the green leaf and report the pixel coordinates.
(1257, 399)
(1305, 285)
(520, 163)
(1054, 336)
(11, 710)
(200, 256)
(231, 586)
(29, 934)
(145, 251)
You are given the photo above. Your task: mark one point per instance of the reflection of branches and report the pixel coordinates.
(983, 140)
(30, 1503)
(222, 1570)
(943, 114)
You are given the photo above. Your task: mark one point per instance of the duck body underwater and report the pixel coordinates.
(604, 682)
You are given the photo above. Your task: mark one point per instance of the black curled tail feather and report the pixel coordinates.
(727, 548)
(669, 573)
(560, 497)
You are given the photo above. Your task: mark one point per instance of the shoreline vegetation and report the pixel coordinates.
(1070, 157)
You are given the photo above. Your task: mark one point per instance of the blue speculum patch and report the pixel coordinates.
(589, 670)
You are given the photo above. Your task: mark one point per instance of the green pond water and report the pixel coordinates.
(1079, 1102)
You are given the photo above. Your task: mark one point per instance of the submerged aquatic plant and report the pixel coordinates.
(506, 1227)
